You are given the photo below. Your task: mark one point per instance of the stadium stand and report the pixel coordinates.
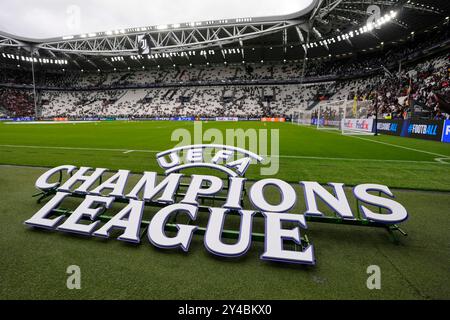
(272, 89)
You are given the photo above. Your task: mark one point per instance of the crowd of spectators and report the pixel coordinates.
(16, 103)
(422, 90)
(419, 86)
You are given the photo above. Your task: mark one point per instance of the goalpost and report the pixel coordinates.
(301, 116)
(357, 120)
(328, 115)
(348, 116)
(351, 117)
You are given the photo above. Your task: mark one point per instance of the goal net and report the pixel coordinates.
(348, 116)
(357, 120)
(329, 114)
(301, 116)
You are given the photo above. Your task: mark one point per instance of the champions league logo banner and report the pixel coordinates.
(98, 195)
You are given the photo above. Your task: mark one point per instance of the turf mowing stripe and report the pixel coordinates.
(124, 151)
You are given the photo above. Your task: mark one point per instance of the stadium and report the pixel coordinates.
(292, 152)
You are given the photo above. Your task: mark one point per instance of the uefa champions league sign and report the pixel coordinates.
(99, 196)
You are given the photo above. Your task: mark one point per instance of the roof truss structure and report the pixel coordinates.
(255, 38)
(195, 38)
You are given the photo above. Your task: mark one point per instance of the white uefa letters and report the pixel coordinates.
(43, 184)
(288, 196)
(157, 235)
(397, 213)
(80, 176)
(174, 161)
(85, 210)
(241, 165)
(148, 183)
(195, 189)
(275, 235)
(223, 155)
(129, 219)
(339, 203)
(195, 155)
(213, 236)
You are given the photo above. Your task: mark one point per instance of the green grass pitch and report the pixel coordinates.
(33, 263)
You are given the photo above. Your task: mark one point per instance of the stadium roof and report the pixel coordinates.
(326, 28)
(50, 19)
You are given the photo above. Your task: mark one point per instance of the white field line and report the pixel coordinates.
(402, 147)
(75, 148)
(350, 159)
(125, 151)
(390, 144)
(49, 122)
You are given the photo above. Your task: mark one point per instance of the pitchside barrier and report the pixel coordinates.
(390, 127)
(357, 126)
(423, 129)
(435, 130)
(90, 119)
(352, 118)
(446, 132)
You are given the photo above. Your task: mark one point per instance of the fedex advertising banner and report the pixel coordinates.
(446, 132)
(365, 125)
(423, 129)
(225, 119)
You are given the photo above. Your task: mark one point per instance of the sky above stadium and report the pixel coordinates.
(53, 18)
